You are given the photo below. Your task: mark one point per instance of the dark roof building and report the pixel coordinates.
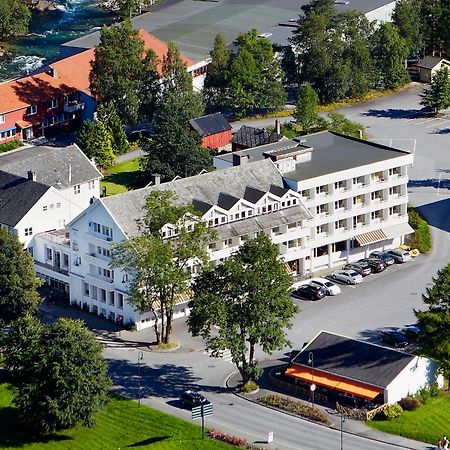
(214, 130)
(361, 369)
(429, 65)
(249, 137)
(17, 196)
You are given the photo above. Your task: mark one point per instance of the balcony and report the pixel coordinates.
(73, 107)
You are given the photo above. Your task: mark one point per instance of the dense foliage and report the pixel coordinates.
(242, 303)
(14, 18)
(18, 282)
(437, 96)
(422, 233)
(59, 377)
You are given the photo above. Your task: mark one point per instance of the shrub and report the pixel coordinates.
(296, 407)
(435, 390)
(409, 403)
(250, 386)
(237, 441)
(11, 145)
(422, 234)
(392, 412)
(423, 395)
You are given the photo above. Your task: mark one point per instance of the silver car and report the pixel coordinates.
(400, 256)
(347, 276)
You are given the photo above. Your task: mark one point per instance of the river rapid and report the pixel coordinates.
(47, 31)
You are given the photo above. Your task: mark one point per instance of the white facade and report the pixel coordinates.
(382, 14)
(420, 372)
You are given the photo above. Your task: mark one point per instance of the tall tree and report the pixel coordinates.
(431, 23)
(60, 379)
(216, 83)
(434, 322)
(106, 113)
(104, 153)
(407, 18)
(255, 75)
(14, 18)
(18, 282)
(306, 108)
(437, 96)
(86, 138)
(390, 53)
(120, 70)
(174, 149)
(244, 303)
(158, 261)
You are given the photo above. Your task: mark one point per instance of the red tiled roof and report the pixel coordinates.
(31, 90)
(72, 73)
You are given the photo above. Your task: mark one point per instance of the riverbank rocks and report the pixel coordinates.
(41, 5)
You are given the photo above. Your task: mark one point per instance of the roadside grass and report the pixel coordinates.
(429, 423)
(121, 424)
(123, 177)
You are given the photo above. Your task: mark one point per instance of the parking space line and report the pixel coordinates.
(437, 124)
(427, 120)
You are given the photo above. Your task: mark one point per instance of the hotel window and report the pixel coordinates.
(28, 231)
(321, 189)
(339, 185)
(52, 206)
(111, 298)
(58, 205)
(2, 118)
(49, 254)
(320, 229)
(321, 209)
(340, 224)
(77, 189)
(102, 295)
(53, 103)
(212, 246)
(86, 289)
(375, 215)
(31, 110)
(65, 260)
(120, 301)
(339, 204)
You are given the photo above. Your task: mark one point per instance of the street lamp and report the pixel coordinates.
(342, 421)
(313, 386)
(140, 357)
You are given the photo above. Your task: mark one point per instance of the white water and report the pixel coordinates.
(28, 63)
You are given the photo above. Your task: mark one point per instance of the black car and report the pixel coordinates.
(375, 264)
(360, 267)
(192, 399)
(384, 257)
(394, 337)
(309, 291)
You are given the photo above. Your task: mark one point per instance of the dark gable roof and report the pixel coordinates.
(254, 137)
(353, 359)
(211, 124)
(429, 62)
(17, 196)
(53, 165)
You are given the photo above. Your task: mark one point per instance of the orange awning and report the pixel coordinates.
(333, 381)
(24, 124)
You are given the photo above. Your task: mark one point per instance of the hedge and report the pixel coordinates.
(422, 234)
(10, 145)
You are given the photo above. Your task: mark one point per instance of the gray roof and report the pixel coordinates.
(355, 360)
(17, 196)
(333, 152)
(254, 137)
(202, 190)
(193, 25)
(210, 124)
(53, 165)
(429, 62)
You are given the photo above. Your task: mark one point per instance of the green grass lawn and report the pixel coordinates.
(123, 177)
(121, 424)
(428, 423)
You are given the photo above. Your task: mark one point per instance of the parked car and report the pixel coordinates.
(347, 276)
(191, 398)
(375, 265)
(394, 338)
(309, 291)
(400, 256)
(411, 332)
(361, 267)
(384, 257)
(330, 287)
(412, 251)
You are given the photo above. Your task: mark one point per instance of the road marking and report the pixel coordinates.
(428, 120)
(437, 124)
(225, 355)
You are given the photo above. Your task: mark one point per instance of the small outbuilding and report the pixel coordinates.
(249, 137)
(214, 130)
(429, 65)
(362, 370)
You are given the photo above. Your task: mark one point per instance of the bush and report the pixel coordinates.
(422, 234)
(250, 386)
(11, 145)
(237, 441)
(409, 403)
(392, 412)
(435, 390)
(299, 408)
(423, 395)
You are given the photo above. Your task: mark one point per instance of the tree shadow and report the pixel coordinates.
(437, 214)
(131, 180)
(165, 380)
(149, 441)
(444, 183)
(393, 113)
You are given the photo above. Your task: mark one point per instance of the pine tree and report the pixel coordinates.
(107, 114)
(437, 96)
(104, 153)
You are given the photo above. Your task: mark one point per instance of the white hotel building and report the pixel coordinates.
(325, 199)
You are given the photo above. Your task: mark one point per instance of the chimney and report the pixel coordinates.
(52, 72)
(277, 126)
(156, 179)
(238, 159)
(31, 175)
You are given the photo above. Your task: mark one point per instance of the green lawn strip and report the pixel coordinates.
(429, 423)
(123, 176)
(121, 424)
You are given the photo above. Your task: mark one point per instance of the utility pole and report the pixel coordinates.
(140, 357)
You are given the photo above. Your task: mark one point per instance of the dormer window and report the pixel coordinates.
(32, 110)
